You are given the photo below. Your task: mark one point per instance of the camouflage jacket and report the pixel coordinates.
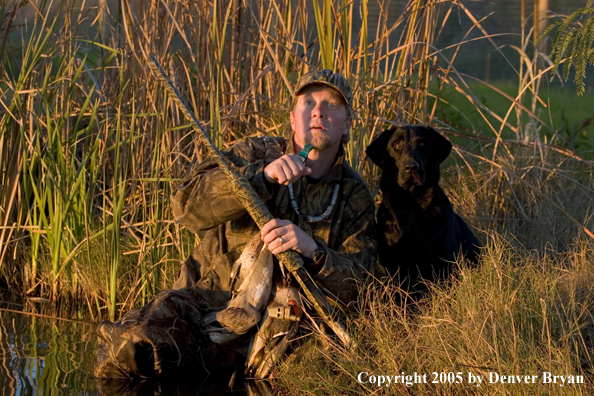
(204, 201)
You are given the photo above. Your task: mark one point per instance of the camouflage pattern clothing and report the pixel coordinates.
(164, 337)
(205, 201)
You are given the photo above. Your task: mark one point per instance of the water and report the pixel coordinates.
(43, 356)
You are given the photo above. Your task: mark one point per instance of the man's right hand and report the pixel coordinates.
(285, 170)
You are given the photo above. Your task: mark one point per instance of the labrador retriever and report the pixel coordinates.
(419, 234)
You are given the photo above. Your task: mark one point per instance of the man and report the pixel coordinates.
(323, 210)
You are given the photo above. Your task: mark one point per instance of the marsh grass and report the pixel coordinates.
(91, 147)
(570, 115)
(526, 309)
(518, 313)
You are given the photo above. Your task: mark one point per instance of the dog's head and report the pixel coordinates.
(411, 155)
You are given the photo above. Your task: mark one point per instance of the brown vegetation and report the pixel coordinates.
(91, 145)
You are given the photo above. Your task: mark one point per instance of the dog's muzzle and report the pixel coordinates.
(410, 174)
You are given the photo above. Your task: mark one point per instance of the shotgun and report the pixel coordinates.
(257, 209)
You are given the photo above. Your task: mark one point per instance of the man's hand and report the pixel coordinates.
(285, 170)
(280, 235)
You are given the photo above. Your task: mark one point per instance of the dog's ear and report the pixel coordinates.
(440, 145)
(378, 148)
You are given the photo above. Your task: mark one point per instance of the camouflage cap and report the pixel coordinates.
(333, 80)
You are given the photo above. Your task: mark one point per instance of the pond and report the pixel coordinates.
(47, 356)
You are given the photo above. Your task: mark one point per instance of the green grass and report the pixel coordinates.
(567, 114)
(90, 152)
(93, 146)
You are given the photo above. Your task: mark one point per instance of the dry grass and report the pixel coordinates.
(528, 308)
(90, 147)
(516, 314)
(90, 144)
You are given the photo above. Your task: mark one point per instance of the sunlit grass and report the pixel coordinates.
(527, 308)
(91, 146)
(518, 313)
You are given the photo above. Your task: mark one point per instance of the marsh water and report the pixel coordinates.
(47, 356)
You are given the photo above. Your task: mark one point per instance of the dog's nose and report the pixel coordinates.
(411, 166)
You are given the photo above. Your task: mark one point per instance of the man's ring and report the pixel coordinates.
(282, 240)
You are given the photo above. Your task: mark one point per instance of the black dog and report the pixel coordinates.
(418, 231)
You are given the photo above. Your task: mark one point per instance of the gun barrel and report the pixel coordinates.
(257, 209)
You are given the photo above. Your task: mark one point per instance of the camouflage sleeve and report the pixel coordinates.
(205, 199)
(355, 255)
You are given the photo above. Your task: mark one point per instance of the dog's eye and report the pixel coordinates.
(421, 144)
(397, 145)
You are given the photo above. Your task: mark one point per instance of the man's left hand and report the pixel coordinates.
(281, 235)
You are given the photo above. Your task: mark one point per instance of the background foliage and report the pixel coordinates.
(91, 146)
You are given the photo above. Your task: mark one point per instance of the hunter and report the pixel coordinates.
(323, 210)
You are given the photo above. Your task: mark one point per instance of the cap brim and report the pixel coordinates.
(346, 102)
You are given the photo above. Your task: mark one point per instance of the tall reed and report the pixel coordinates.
(90, 144)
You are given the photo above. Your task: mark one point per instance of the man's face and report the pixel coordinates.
(320, 117)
